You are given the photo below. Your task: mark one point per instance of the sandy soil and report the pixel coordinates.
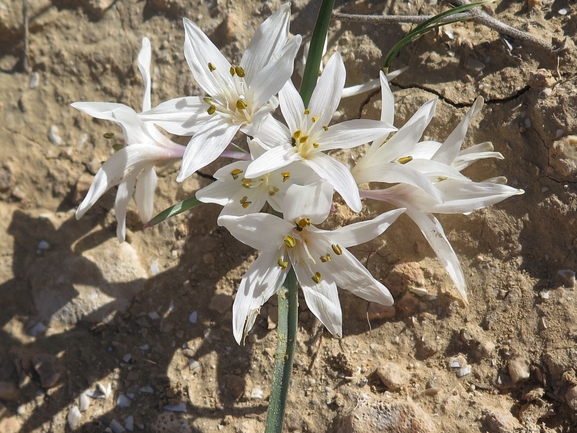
(146, 325)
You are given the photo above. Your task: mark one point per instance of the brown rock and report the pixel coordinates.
(501, 421)
(9, 391)
(220, 303)
(392, 375)
(519, 369)
(407, 303)
(377, 311)
(47, 367)
(563, 157)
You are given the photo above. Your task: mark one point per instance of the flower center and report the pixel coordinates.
(305, 139)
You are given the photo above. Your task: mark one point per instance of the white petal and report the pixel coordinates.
(450, 148)
(272, 133)
(339, 177)
(144, 194)
(245, 201)
(313, 201)
(268, 40)
(388, 101)
(351, 275)
(327, 94)
(273, 159)
(123, 196)
(262, 280)
(353, 133)
(261, 231)
(144, 58)
(206, 146)
(179, 116)
(433, 232)
(323, 301)
(217, 192)
(273, 76)
(361, 232)
(199, 52)
(291, 105)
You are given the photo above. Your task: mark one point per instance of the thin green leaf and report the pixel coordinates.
(438, 20)
(173, 210)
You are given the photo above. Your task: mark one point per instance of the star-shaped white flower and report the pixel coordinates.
(240, 195)
(319, 257)
(145, 147)
(308, 135)
(239, 97)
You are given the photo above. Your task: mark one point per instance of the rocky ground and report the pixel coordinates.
(137, 336)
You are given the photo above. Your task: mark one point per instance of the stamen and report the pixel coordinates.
(232, 71)
(240, 104)
(326, 128)
(337, 249)
(316, 145)
(314, 119)
(273, 191)
(207, 100)
(293, 142)
(303, 222)
(326, 258)
(317, 277)
(289, 241)
(211, 67)
(285, 175)
(405, 159)
(117, 147)
(211, 110)
(108, 135)
(307, 111)
(297, 133)
(243, 200)
(235, 173)
(246, 204)
(247, 183)
(442, 178)
(239, 71)
(303, 139)
(283, 265)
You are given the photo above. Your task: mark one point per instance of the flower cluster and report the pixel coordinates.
(288, 167)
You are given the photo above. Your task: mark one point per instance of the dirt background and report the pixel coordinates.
(146, 325)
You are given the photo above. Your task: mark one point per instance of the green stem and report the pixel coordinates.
(317, 45)
(288, 307)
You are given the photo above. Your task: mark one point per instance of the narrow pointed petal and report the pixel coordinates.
(327, 94)
(123, 196)
(180, 116)
(361, 232)
(312, 201)
(339, 177)
(144, 58)
(144, 193)
(323, 301)
(270, 37)
(262, 280)
(272, 133)
(388, 101)
(249, 230)
(273, 159)
(217, 192)
(474, 153)
(291, 106)
(271, 79)
(352, 133)
(206, 146)
(351, 275)
(450, 148)
(199, 51)
(435, 235)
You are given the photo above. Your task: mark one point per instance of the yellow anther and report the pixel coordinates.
(239, 71)
(240, 104)
(442, 178)
(326, 258)
(307, 111)
(232, 71)
(405, 159)
(117, 147)
(326, 128)
(247, 183)
(317, 277)
(109, 135)
(246, 204)
(285, 175)
(297, 133)
(283, 265)
(303, 139)
(304, 222)
(316, 145)
(211, 109)
(337, 249)
(243, 200)
(207, 100)
(211, 67)
(273, 191)
(314, 118)
(235, 173)
(289, 241)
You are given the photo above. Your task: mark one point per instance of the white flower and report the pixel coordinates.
(319, 257)
(239, 97)
(240, 195)
(308, 135)
(146, 146)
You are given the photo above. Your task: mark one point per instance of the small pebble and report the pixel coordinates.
(519, 369)
(569, 275)
(73, 417)
(193, 317)
(116, 426)
(84, 402)
(181, 407)
(154, 268)
(127, 357)
(392, 375)
(153, 315)
(144, 347)
(34, 80)
(257, 393)
(129, 423)
(146, 389)
(82, 140)
(53, 135)
(42, 246)
(38, 329)
(463, 371)
(123, 401)
(193, 365)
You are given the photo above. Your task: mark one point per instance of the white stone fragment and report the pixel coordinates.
(153, 315)
(569, 275)
(123, 401)
(257, 393)
(144, 347)
(84, 402)
(42, 246)
(463, 371)
(116, 426)
(34, 80)
(100, 392)
(181, 407)
(193, 365)
(193, 317)
(38, 329)
(154, 268)
(129, 423)
(146, 389)
(171, 307)
(127, 357)
(74, 417)
(53, 135)
(82, 140)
